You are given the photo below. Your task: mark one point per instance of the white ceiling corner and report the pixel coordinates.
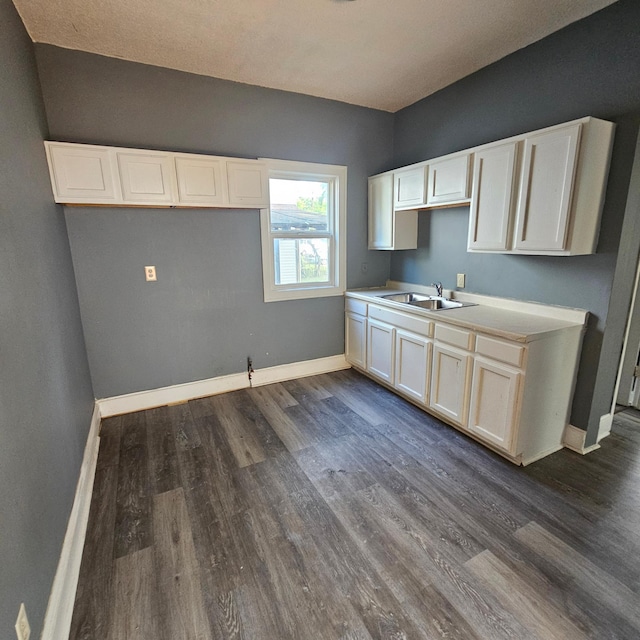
(383, 54)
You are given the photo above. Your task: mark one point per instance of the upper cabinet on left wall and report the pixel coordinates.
(97, 175)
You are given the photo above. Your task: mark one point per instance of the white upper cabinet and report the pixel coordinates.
(146, 177)
(492, 198)
(542, 193)
(200, 180)
(248, 184)
(389, 229)
(82, 173)
(91, 174)
(449, 180)
(548, 171)
(409, 187)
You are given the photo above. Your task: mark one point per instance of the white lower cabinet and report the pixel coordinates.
(413, 365)
(494, 402)
(450, 378)
(513, 395)
(380, 349)
(355, 339)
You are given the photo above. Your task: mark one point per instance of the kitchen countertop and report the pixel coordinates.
(489, 316)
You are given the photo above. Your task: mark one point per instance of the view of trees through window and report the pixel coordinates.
(298, 208)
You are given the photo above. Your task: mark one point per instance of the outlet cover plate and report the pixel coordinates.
(460, 278)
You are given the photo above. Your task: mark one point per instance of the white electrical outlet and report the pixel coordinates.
(23, 630)
(150, 274)
(460, 280)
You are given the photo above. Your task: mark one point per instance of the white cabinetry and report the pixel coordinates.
(493, 198)
(389, 229)
(542, 193)
(449, 180)
(380, 349)
(355, 333)
(548, 170)
(200, 180)
(248, 183)
(91, 174)
(413, 365)
(409, 187)
(146, 177)
(82, 172)
(512, 395)
(451, 373)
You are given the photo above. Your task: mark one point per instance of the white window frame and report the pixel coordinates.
(337, 175)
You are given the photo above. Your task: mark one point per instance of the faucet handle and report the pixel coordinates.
(438, 286)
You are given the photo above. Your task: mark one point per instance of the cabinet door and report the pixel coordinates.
(248, 184)
(200, 180)
(494, 398)
(355, 339)
(381, 212)
(544, 201)
(380, 350)
(409, 187)
(146, 177)
(449, 180)
(450, 383)
(413, 363)
(81, 173)
(492, 198)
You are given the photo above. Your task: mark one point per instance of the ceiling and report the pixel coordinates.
(384, 54)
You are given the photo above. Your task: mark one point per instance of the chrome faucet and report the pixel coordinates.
(438, 286)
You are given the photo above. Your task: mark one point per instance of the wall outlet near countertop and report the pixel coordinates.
(460, 278)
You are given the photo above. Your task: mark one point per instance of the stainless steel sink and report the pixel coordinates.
(433, 303)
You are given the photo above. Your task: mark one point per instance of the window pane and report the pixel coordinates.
(301, 260)
(299, 205)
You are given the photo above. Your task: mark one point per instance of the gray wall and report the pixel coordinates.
(205, 314)
(588, 68)
(45, 393)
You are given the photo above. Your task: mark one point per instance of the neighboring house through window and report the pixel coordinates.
(304, 231)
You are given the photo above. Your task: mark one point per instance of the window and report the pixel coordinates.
(304, 231)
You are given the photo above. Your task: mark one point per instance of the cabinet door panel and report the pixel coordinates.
(381, 212)
(146, 177)
(450, 383)
(81, 173)
(380, 350)
(492, 198)
(248, 184)
(199, 180)
(409, 187)
(413, 355)
(356, 339)
(449, 180)
(549, 163)
(494, 398)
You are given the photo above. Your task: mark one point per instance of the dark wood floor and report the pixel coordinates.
(330, 508)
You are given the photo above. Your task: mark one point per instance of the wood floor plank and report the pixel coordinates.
(135, 612)
(94, 595)
(590, 577)
(534, 610)
(110, 435)
(242, 438)
(181, 612)
(163, 464)
(133, 527)
(293, 436)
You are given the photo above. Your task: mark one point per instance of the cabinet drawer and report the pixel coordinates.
(508, 352)
(417, 325)
(355, 306)
(457, 337)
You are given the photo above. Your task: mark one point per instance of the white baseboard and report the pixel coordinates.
(57, 621)
(574, 438)
(604, 428)
(141, 400)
